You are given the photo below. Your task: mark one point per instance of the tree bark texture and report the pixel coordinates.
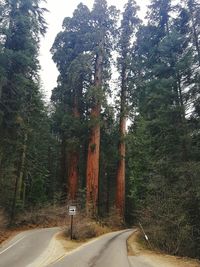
(18, 190)
(19, 195)
(92, 174)
(195, 35)
(73, 174)
(63, 165)
(93, 165)
(120, 193)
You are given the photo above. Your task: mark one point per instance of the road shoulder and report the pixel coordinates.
(137, 253)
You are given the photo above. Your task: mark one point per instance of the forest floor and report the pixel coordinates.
(136, 251)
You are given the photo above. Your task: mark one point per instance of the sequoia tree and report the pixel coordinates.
(128, 27)
(75, 76)
(103, 22)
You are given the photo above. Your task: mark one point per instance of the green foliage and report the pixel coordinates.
(158, 65)
(162, 168)
(24, 125)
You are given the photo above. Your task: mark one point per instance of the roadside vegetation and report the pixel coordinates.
(138, 247)
(124, 151)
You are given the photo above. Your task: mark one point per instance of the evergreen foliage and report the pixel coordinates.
(162, 184)
(70, 151)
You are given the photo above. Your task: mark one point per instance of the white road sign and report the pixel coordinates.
(72, 210)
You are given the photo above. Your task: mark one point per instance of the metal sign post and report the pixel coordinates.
(146, 237)
(72, 213)
(71, 229)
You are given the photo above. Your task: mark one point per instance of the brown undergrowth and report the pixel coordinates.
(137, 247)
(57, 216)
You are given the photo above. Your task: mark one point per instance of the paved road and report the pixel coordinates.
(26, 247)
(108, 251)
(28, 250)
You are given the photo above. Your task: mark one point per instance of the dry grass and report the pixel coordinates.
(85, 228)
(52, 216)
(43, 217)
(4, 232)
(37, 218)
(136, 248)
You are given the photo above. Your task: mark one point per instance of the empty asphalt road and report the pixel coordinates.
(107, 251)
(26, 247)
(34, 249)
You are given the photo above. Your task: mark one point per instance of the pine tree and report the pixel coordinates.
(164, 68)
(194, 15)
(128, 28)
(20, 51)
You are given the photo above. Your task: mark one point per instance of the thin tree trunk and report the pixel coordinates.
(120, 193)
(195, 37)
(183, 121)
(21, 170)
(24, 195)
(181, 98)
(19, 178)
(92, 174)
(1, 86)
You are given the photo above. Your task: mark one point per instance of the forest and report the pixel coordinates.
(121, 134)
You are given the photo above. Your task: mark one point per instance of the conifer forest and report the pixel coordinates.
(121, 133)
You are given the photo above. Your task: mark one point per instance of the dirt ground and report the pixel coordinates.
(155, 259)
(6, 235)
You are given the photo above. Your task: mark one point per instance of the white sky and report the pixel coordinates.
(58, 10)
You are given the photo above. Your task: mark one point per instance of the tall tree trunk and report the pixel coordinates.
(73, 174)
(1, 90)
(1, 157)
(120, 193)
(19, 179)
(21, 169)
(93, 165)
(108, 188)
(183, 120)
(196, 39)
(63, 166)
(195, 34)
(92, 174)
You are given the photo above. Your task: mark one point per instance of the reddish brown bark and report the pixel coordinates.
(92, 174)
(120, 193)
(73, 173)
(93, 165)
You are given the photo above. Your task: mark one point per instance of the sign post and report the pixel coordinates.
(72, 213)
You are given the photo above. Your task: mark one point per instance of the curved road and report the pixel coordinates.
(31, 249)
(107, 251)
(26, 247)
